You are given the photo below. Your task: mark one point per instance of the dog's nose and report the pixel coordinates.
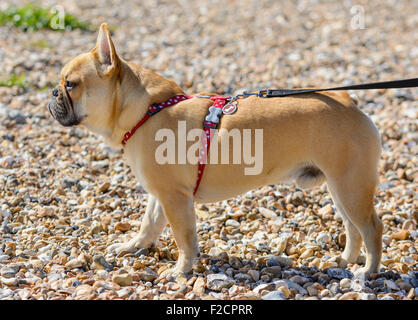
(55, 92)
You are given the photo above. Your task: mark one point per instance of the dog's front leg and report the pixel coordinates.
(179, 210)
(152, 224)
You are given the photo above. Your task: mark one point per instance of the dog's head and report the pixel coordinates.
(86, 91)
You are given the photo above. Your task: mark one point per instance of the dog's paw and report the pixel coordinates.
(181, 270)
(342, 263)
(362, 274)
(172, 274)
(120, 249)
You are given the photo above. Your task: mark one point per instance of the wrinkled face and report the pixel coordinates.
(66, 102)
(81, 96)
(85, 92)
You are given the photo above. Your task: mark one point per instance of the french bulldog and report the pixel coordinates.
(308, 138)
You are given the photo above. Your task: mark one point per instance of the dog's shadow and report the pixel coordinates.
(269, 276)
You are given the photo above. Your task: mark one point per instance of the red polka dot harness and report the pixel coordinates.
(221, 105)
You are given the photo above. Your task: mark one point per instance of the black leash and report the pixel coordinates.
(271, 93)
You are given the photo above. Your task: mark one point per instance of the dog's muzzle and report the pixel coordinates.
(62, 109)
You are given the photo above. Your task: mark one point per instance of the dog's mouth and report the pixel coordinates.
(62, 110)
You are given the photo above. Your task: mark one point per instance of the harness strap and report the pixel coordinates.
(152, 110)
(209, 125)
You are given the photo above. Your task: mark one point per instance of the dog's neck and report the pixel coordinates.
(135, 90)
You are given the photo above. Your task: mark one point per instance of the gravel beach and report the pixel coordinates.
(65, 196)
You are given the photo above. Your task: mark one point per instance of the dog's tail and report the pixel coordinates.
(309, 176)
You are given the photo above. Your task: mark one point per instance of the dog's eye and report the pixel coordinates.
(69, 85)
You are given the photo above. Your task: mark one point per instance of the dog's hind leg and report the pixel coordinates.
(152, 225)
(350, 167)
(353, 237)
(354, 192)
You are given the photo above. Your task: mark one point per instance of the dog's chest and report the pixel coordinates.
(136, 165)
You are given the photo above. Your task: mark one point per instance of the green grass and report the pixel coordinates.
(32, 17)
(14, 80)
(39, 44)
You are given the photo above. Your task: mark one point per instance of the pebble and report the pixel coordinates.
(99, 262)
(84, 290)
(367, 296)
(299, 280)
(306, 254)
(412, 294)
(234, 290)
(5, 292)
(391, 285)
(386, 298)
(312, 290)
(279, 244)
(325, 212)
(254, 274)
(124, 293)
(16, 116)
(325, 293)
(232, 223)
(264, 287)
(262, 247)
(102, 274)
(217, 282)
(274, 295)
(9, 272)
(272, 262)
(74, 263)
(235, 262)
(323, 238)
(104, 187)
(409, 224)
(8, 281)
(349, 296)
(123, 226)
(285, 291)
(199, 268)
(284, 261)
(267, 213)
(122, 278)
(301, 290)
(141, 252)
(275, 271)
(199, 285)
(400, 235)
(345, 283)
(297, 198)
(339, 273)
(148, 275)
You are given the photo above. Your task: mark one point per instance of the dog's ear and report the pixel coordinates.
(105, 53)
